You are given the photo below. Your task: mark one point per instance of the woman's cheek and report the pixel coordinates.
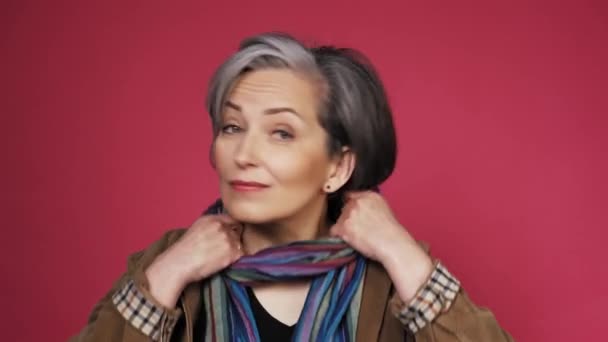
(223, 152)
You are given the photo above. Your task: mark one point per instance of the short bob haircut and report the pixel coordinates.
(353, 106)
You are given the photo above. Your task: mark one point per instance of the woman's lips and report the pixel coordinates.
(247, 186)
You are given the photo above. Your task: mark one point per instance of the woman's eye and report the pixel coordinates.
(230, 129)
(282, 135)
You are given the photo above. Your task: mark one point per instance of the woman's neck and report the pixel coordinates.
(308, 224)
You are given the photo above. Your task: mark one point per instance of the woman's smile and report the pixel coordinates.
(247, 186)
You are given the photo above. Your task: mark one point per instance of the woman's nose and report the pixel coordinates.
(246, 152)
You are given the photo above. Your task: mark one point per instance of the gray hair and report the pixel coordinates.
(353, 109)
(271, 50)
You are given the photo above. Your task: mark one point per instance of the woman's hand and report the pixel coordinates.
(368, 225)
(211, 244)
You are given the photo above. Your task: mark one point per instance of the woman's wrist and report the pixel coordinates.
(165, 283)
(408, 266)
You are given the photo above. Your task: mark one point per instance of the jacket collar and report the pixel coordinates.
(376, 292)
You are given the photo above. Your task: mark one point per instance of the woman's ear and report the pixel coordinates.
(342, 167)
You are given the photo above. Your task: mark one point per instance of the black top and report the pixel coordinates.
(269, 328)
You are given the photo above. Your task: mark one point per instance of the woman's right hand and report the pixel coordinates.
(211, 244)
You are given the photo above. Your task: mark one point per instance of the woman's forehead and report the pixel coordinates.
(274, 88)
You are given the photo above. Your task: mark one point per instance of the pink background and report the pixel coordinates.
(500, 111)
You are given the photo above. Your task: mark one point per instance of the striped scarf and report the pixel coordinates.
(331, 309)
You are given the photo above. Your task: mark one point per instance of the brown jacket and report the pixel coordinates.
(464, 321)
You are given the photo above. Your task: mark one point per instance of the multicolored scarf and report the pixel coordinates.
(331, 309)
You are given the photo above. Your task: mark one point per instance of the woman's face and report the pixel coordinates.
(270, 153)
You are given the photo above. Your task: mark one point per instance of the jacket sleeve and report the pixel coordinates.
(128, 312)
(441, 311)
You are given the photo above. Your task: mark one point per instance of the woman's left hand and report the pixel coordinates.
(369, 226)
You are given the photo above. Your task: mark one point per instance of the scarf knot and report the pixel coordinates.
(331, 309)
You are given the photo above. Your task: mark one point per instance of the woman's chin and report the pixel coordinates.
(252, 213)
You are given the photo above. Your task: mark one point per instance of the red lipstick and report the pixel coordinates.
(240, 185)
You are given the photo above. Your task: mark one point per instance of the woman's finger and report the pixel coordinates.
(354, 194)
(335, 230)
(226, 219)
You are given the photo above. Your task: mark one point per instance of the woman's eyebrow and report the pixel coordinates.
(232, 105)
(269, 111)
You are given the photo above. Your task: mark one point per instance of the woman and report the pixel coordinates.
(300, 246)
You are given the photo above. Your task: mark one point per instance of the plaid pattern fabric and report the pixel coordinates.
(433, 298)
(150, 319)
